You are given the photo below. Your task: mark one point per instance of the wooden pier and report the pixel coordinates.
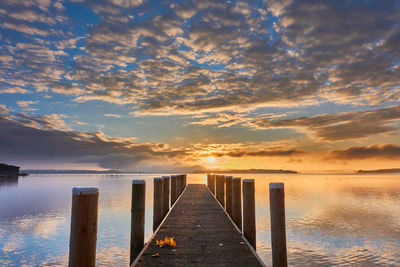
(202, 227)
(204, 235)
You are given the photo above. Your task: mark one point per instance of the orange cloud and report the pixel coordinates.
(381, 151)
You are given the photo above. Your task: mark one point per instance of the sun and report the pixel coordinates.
(211, 159)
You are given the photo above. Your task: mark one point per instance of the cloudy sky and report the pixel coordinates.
(176, 85)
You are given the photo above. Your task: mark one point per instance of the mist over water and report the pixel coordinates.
(331, 219)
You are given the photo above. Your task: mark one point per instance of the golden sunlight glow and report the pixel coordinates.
(211, 159)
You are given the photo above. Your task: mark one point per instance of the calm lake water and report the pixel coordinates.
(331, 219)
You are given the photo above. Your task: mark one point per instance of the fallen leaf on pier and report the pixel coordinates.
(161, 243)
(167, 241)
(172, 242)
(156, 255)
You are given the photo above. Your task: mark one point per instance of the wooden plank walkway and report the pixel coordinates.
(204, 235)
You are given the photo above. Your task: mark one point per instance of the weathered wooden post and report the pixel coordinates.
(237, 202)
(220, 182)
(228, 195)
(158, 202)
(184, 181)
(174, 192)
(165, 195)
(249, 212)
(83, 236)
(211, 182)
(180, 184)
(137, 218)
(278, 229)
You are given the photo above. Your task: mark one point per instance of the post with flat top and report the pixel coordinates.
(211, 182)
(158, 202)
(165, 195)
(184, 181)
(278, 229)
(220, 182)
(237, 202)
(137, 218)
(174, 191)
(180, 184)
(249, 211)
(228, 195)
(83, 236)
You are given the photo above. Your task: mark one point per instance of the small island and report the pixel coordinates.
(394, 170)
(247, 171)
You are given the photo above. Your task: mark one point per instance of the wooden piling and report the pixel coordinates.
(228, 195)
(165, 195)
(83, 236)
(184, 181)
(278, 229)
(237, 202)
(180, 184)
(211, 182)
(174, 192)
(158, 202)
(137, 218)
(249, 212)
(220, 190)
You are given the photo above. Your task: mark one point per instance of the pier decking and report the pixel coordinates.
(204, 235)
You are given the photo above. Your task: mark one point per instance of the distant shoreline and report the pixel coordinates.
(236, 171)
(113, 172)
(379, 171)
(247, 171)
(71, 172)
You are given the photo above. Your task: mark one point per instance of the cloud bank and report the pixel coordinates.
(376, 151)
(33, 139)
(198, 56)
(339, 126)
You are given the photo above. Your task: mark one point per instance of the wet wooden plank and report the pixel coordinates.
(203, 232)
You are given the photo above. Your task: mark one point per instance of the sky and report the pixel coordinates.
(141, 85)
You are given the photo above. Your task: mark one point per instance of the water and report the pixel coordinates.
(331, 219)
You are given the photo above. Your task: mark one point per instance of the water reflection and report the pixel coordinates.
(9, 182)
(341, 219)
(331, 220)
